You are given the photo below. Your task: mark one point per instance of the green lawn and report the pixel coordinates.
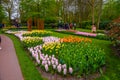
(30, 72)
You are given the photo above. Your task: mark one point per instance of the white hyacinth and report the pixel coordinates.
(54, 66)
(52, 62)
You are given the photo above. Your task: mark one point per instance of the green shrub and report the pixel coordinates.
(104, 25)
(114, 33)
(86, 24)
(102, 36)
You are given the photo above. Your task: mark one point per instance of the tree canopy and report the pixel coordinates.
(63, 10)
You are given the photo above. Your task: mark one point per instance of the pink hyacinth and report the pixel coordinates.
(65, 71)
(48, 59)
(64, 66)
(53, 58)
(33, 54)
(46, 56)
(56, 62)
(40, 47)
(59, 68)
(52, 62)
(70, 70)
(39, 51)
(43, 63)
(49, 62)
(46, 67)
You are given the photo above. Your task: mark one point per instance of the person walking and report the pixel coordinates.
(93, 28)
(0, 43)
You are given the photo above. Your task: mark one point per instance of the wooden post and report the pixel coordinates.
(40, 24)
(29, 24)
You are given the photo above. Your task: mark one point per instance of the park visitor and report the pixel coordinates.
(93, 28)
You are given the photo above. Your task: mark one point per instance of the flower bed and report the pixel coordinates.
(95, 35)
(83, 57)
(51, 48)
(68, 55)
(38, 33)
(50, 39)
(75, 39)
(31, 41)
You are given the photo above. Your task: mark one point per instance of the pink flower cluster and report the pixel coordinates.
(47, 61)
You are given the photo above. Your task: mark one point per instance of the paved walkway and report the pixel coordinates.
(79, 32)
(9, 66)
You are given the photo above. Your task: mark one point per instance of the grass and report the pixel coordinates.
(27, 66)
(30, 72)
(89, 30)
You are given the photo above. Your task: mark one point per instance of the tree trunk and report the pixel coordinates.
(93, 17)
(9, 13)
(99, 14)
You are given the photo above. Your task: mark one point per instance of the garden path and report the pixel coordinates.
(79, 32)
(9, 65)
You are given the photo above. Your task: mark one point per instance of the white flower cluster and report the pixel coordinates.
(19, 36)
(50, 39)
(10, 32)
(17, 33)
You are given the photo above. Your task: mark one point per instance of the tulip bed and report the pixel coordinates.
(68, 55)
(81, 56)
(38, 33)
(51, 48)
(31, 41)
